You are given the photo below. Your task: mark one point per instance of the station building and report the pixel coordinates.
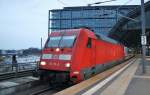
(112, 21)
(100, 19)
(128, 31)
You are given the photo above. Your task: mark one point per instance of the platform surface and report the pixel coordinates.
(127, 80)
(97, 84)
(140, 83)
(130, 82)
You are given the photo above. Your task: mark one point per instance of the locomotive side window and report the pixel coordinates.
(89, 44)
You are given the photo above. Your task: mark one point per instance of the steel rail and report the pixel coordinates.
(10, 75)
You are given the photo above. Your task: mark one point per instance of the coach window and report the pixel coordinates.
(89, 43)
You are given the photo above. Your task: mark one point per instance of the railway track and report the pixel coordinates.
(42, 91)
(16, 74)
(52, 90)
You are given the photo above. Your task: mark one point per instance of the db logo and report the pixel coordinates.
(55, 56)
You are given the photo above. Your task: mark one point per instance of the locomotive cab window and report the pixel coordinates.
(67, 41)
(89, 43)
(61, 41)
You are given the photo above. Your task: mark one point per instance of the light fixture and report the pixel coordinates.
(67, 64)
(57, 49)
(43, 63)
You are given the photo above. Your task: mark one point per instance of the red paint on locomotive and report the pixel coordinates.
(85, 54)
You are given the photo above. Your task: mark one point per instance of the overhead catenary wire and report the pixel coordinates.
(124, 4)
(65, 4)
(60, 1)
(128, 18)
(85, 2)
(130, 10)
(101, 2)
(117, 9)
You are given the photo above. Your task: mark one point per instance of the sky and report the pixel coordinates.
(24, 22)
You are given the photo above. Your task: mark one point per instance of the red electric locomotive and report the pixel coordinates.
(77, 54)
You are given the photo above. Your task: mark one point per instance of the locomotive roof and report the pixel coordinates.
(105, 38)
(98, 35)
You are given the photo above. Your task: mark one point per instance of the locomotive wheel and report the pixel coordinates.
(43, 77)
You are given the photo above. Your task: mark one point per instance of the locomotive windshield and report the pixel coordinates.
(61, 41)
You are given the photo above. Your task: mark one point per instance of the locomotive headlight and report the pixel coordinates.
(67, 65)
(57, 49)
(43, 63)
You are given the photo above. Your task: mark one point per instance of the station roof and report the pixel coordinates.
(130, 36)
(94, 7)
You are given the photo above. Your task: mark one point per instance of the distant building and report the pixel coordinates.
(3, 52)
(101, 19)
(11, 52)
(30, 51)
(20, 52)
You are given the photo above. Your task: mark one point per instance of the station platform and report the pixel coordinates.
(140, 83)
(129, 80)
